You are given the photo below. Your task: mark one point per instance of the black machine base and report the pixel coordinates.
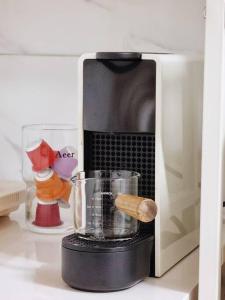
(105, 266)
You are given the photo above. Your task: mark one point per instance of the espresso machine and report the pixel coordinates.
(140, 112)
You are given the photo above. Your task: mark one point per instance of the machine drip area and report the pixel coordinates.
(105, 266)
(105, 239)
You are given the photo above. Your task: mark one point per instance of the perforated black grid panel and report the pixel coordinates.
(73, 241)
(123, 151)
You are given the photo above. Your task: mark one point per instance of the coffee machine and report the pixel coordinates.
(141, 112)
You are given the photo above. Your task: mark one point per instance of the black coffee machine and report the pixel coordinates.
(121, 99)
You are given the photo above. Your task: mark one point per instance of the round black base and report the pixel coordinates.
(105, 266)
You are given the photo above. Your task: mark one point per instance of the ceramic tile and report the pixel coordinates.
(33, 90)
(77, 26)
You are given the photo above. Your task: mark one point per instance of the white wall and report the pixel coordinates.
(40, 41)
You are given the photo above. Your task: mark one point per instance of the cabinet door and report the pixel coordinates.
(213, 158)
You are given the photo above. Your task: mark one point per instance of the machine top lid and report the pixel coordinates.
(119, 55)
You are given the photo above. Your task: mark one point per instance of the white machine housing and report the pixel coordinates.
(178, 119)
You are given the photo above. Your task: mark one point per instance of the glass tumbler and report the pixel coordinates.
(49, 162)
(96, 216)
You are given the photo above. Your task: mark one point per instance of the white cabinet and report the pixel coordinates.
(213, 154)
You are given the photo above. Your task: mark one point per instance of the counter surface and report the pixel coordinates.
(30, 268)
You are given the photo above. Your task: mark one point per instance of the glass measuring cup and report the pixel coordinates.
(95, 214)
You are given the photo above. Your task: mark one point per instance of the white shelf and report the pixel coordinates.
(30, 269)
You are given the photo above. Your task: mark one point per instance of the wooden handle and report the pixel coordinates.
(140, 208)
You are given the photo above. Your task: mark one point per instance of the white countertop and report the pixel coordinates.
(30, 269)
